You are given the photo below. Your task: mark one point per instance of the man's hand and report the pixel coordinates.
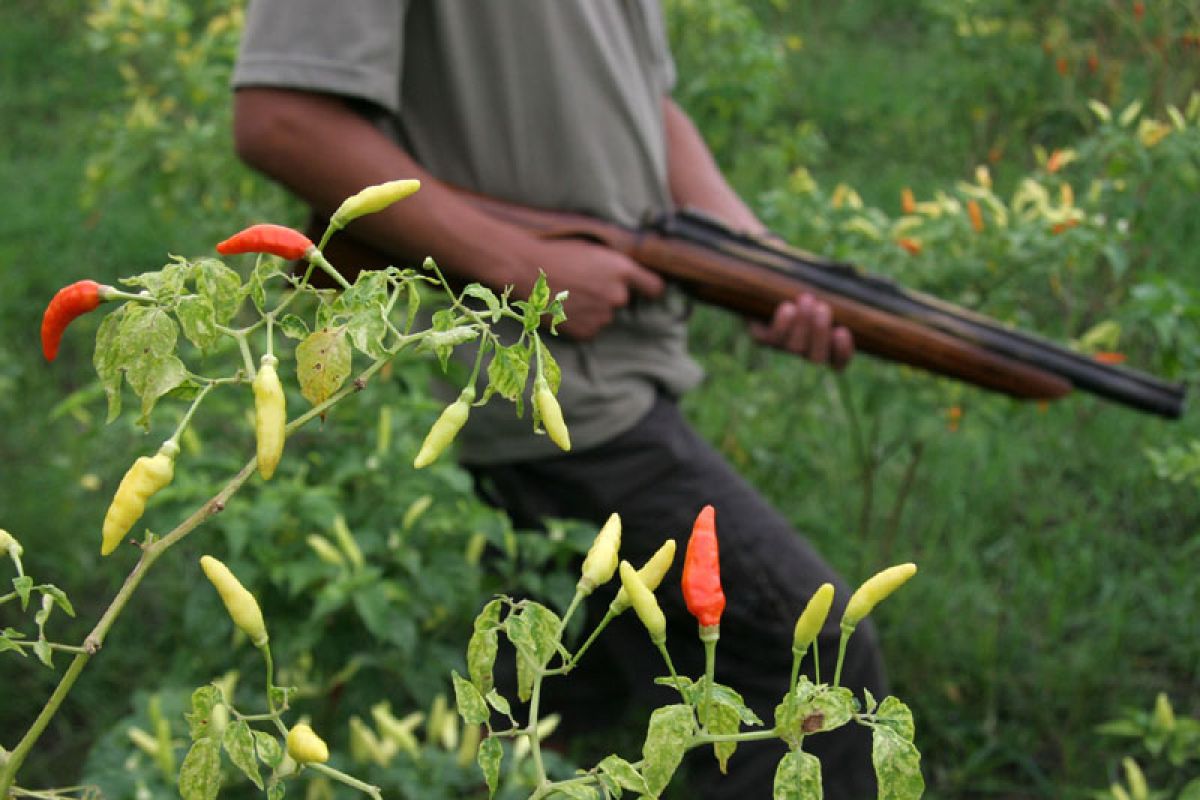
(804, 326)
(600, 281)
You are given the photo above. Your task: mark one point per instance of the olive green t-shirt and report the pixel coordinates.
(548, 103)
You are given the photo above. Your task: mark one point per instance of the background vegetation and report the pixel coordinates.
(1059, 545)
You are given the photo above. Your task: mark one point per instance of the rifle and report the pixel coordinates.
(752, 275)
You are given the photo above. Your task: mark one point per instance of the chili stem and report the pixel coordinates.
(187, 417)
(608, 617)
(710, 662)
(816, 660)
(837, 672)
(701, 739)
(316, 257)
(352, 782)
(535, 746)
(797, 657)
(662, 648)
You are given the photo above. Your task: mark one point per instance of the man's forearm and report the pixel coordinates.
(323, 151)
(694, 177)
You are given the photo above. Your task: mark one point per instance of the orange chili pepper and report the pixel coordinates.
(913, 246)
(1107, 357)
(976, 215)
(70, 302)
(276, 240)
(702, 571)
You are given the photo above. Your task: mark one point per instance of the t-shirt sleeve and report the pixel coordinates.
(353, 49)
(660, 47)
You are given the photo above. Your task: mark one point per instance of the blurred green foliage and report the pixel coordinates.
(1058, 545)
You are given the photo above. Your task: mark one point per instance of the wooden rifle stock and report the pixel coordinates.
(752, 275)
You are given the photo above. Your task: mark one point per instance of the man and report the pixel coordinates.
(562, 104)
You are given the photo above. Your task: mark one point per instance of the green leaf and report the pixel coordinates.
(499, 702)
(578, 791)
(508, 373)
(897, 716)
(59, 597)
(239, 744)
(44, 653)
(539, 299)
(198, 321)
(137, 343)
(153, 378)
(667, 738)
(490, 754)
(480, 292)
(276, 791)
(624, 773)
(897, 765)
(362, 307)
(293, 327)
(203, 700)
(166, 284)
(550, 370)
(1191, 791)
(482, 647)
(471, 705)
(23, 585)
(798, 777)
(323, 363)
(200, 773)
(722, 718)
(270, 752)
(222, 286)
(811, 709)
(534, 632)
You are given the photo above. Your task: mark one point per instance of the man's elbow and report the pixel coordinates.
(262, 119)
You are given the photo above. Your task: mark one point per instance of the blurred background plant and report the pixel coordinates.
(1035, 161)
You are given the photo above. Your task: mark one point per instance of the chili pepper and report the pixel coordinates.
(240, 604)
(913, 246)
(651, 574)
(325, 550)
(305, 746)
(270, 416)
(551, 414)
(1138, 788)
(147, 475)
(976, 215)
(702, 572)
(644, 604)
(874, 590)
(276, 240)
(9, 544)
(447, 426)
(812, 618)
(601, 561)
(908, 203)
(372, 199)
(366, 746)
(70, 302)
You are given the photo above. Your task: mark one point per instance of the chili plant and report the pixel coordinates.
(139, 344)
(708, 713)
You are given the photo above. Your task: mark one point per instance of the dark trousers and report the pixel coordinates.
(658, 476)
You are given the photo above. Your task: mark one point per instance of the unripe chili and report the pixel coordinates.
(305, 746)
(874, 590)
(702, 572)
(9, 544)
(447, 426)
(551, 414)
(601, 562)
(651, 573)
(812, 618)
(372, 199)
(270, 416)
(644, 604)
(147, 476)
(70, 302)
(276, 240)
(240, 604)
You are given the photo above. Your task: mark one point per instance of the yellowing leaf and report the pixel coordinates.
(323, 363)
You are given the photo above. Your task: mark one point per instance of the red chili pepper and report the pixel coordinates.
(70, 302)
(267, 238)
(702, 571)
